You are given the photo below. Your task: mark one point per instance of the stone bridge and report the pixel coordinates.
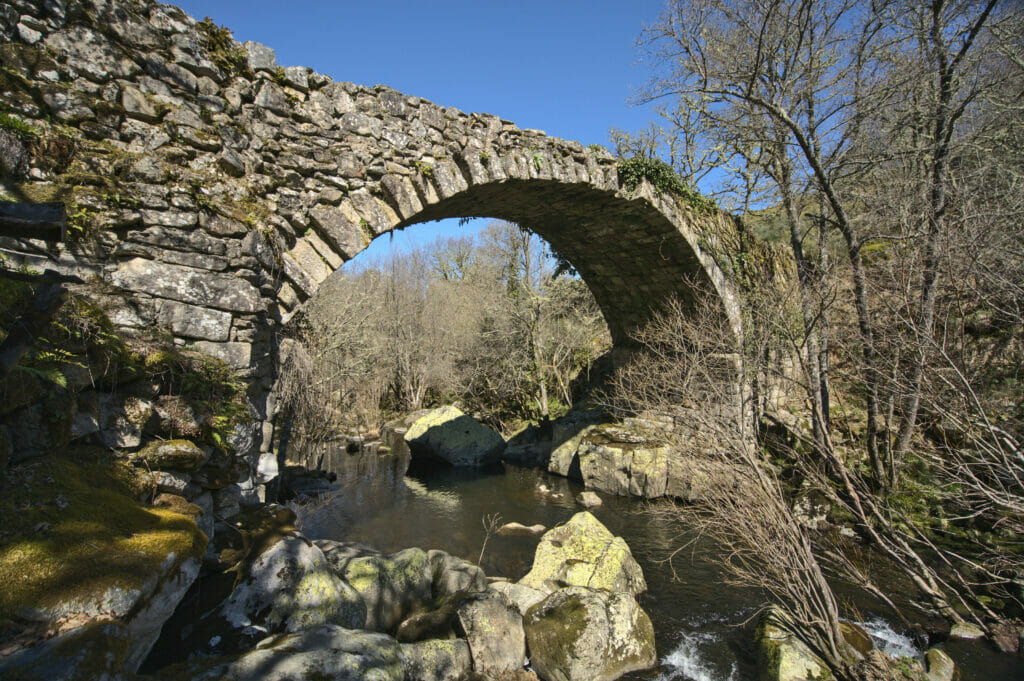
(212, 191)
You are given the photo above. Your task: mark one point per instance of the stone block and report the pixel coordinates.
(187, 285)
(260, 57)
(191, 321)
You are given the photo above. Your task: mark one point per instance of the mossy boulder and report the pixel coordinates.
(781, 656)
(326, 651)
(74, 533)
(392, 587)
(451, 574)
(583, 552)
(939, 666)
(78, 546)
(435, 660)
(581, 634)
(449, 436)
(291, 587)
(170, 455)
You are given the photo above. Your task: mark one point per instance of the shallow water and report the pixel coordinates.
(699, 621)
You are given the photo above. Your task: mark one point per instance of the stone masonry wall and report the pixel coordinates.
(211, 191)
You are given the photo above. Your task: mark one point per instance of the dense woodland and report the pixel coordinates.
(880, 146)
(496, 323)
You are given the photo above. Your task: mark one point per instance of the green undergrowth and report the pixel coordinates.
(633, 171)
(74, 528)
(222, 48)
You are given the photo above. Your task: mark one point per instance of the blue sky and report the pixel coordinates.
(568, 67)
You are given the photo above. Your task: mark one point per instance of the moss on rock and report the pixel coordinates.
(584, 553)
(170, 455)
(74, 529)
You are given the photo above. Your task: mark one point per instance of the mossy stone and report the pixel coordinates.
(74, 531)
(583, 552)
(170, 455)
(581, 634)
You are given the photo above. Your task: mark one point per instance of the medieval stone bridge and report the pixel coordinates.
(216, 190)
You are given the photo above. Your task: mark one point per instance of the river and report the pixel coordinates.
(698, 618)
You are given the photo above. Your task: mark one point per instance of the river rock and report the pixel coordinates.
(583, 552)
(518, 529)
(451, 575)
(494, 631)
(966, 630)
(588, 499)
(781, 656)
(449, 436)
(428, 624)
(391, 587)
(939, 666)
(435, 660)
(326, 651)
(291, 587)
(581, 634)
(520, 596)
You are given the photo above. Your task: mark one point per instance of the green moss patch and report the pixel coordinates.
(74, 528)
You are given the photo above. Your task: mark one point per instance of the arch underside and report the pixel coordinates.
(631, 256)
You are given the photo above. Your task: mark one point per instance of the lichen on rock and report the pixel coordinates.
(583, 552)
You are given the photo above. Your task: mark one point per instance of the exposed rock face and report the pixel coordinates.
(325, 651)
(116, 646)
(222, 191)
(584, 553)
(581, 634)
(448, 435)
(291, 587)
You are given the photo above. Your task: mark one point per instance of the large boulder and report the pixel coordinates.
(326, 651)
(291, 587)
(451, 575)
(581, 634)
(119, 633)
(940, 666)
(447, 435)
(494, 631)
(583, 552)
(631, 458)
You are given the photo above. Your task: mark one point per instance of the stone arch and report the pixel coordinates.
(223, 189)
(633, 249)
